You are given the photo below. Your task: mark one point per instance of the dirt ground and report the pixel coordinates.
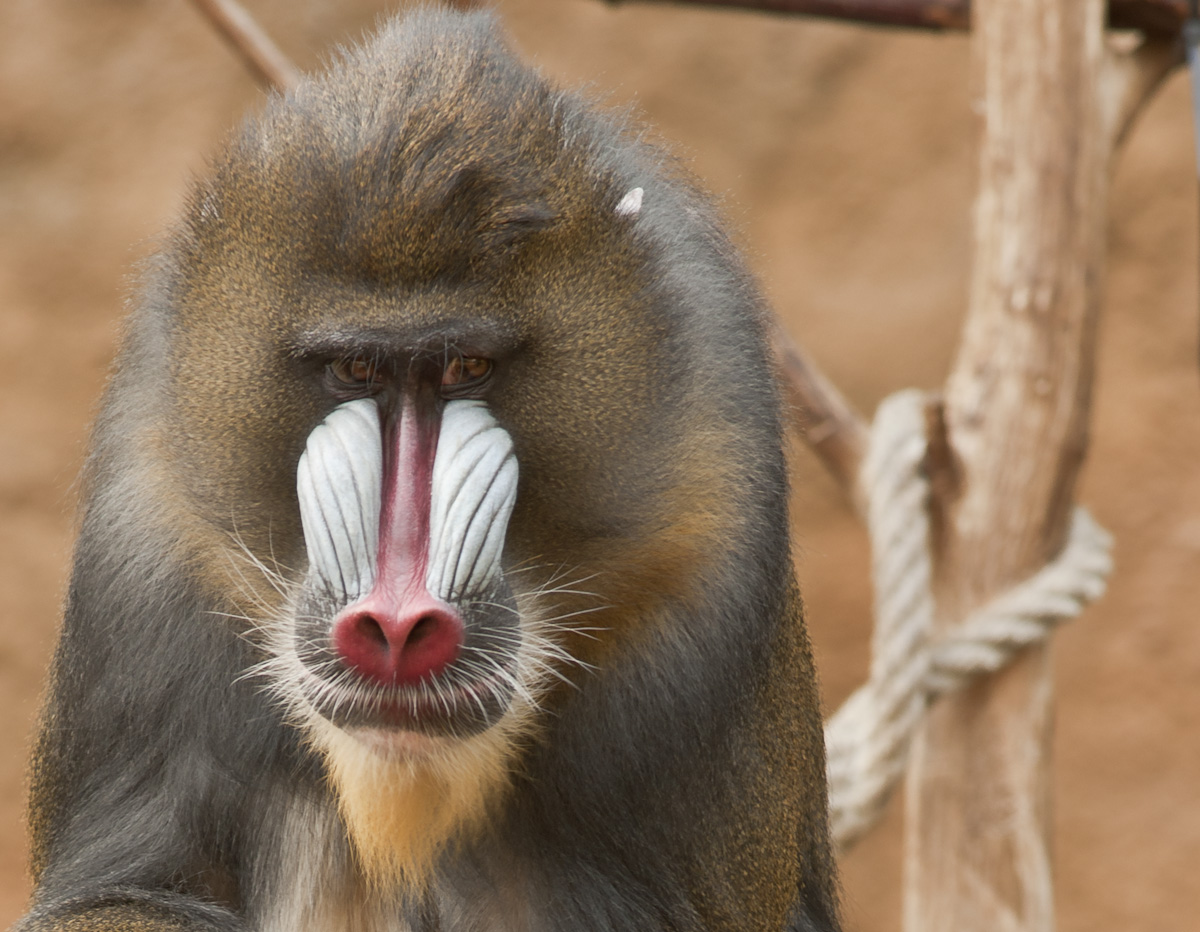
(844, 158)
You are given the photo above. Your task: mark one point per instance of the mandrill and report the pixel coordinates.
(434, 572)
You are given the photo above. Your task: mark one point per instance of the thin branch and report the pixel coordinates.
(1159, 18)
(920, 14)
(271, 68)
(827, 421)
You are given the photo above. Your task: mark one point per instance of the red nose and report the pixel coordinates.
(398, 643)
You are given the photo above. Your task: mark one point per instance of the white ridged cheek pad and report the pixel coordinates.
(474, 490)
(339, 483)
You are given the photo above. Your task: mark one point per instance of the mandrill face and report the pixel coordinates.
(405, 619)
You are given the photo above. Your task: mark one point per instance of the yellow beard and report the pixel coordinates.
(404, 798)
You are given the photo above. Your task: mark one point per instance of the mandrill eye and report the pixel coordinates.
(356, 372)
(463, 373)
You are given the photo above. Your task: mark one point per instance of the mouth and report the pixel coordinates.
(455, 703)
(467, 696)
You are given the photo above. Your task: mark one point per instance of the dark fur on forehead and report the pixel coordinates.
(426, 155)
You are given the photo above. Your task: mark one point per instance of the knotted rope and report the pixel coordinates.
(868, 738)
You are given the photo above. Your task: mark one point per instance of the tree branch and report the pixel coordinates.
(1160, 18)
(1017, 406)
(824, 418)
(271, 68)
(920, 14)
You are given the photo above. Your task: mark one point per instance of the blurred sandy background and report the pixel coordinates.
(844, 159)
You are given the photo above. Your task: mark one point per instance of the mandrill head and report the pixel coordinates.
(479, 390)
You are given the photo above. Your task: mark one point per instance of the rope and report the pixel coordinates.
(868, 738)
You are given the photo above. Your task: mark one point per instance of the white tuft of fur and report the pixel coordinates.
(340, 483)
(474, 489)
(631, 204)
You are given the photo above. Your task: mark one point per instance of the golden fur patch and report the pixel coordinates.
(404, 804)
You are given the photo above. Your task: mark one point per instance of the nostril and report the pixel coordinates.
(425, 627)
(372, 632)
(409, 643)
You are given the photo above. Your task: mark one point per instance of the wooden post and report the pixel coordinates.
(977, 854)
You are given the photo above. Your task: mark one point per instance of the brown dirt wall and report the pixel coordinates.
(844, 159)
